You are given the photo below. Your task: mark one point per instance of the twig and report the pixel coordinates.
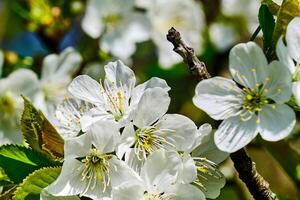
(257, 186)
(196, 67)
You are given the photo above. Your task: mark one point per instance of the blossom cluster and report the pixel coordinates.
(121, 24)
(121, 144)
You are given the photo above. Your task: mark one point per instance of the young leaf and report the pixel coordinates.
(39, 133)
(36, 182)
(18, 161)
(288, 10)
(267, 24)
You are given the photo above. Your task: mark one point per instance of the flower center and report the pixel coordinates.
(112, 20)
(117, 99)
(96, 169)
(253, 100)
(206, 169)
(156, 196)
(150, 139)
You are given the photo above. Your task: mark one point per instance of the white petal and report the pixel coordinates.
(139, 90)
(120, 75)
(207, 148)
(133, 161)
(160, 169)
(219, 97)
(233, 134)
(94, 115)
(153, 105)
(105, 136)
(283, 55)
(127, 140)
(62, 65)
(293, 38)
(277, 122)
(296, 91)
(87, 89)
(69, 114)
(68, 182)
(92, 21)
(183, 130)
(128, 191)
(186, 192)
(279, 85)
(78, 146)
(187, 170)
(121, 172)
(211, 179)
(22, 81)
(248, 64)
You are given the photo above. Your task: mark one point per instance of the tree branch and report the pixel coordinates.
(257, 186)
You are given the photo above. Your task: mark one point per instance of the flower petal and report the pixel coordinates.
(293, 38)
(127, 140)
(68, 182)
(139, 90)
(69, 114)
(105, 136)
(153, 105)
(121, 172)
(186, 192)
(87, 89)
(128, 191)
(233, 134)
(187, 170)
(22, 81)
(78, 146)
(62, 65)
(119, 75)
(207, 148)
(160, 169)
(211, 179)
(296, 91)
(182, 130)
(92, 21)
(283, 55)
(276, 122)
(1, 62)
(279, 84)
(248, 64)
(219, 97)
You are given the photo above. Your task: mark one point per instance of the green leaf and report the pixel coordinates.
(8, 194)
(18, 161)
(36, 182)
(267, 24)
(288, 10)
(39, 133)
(273, 7)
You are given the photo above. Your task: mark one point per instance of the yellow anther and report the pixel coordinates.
(273, 106)
(249, 97)
(253, 70)
(258, 121)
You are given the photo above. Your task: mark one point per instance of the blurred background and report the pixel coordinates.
(134, 31)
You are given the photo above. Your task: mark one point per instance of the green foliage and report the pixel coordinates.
(33, 184)
(18, 161)
(288, 10)
(39, 133)
(267, 24)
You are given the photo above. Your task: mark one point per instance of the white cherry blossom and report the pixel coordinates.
(116, 98)
(117, 24)
(253, 103)
(90, 168)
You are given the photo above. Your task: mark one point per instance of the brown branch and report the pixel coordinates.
(196, 67)
(257, 186)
